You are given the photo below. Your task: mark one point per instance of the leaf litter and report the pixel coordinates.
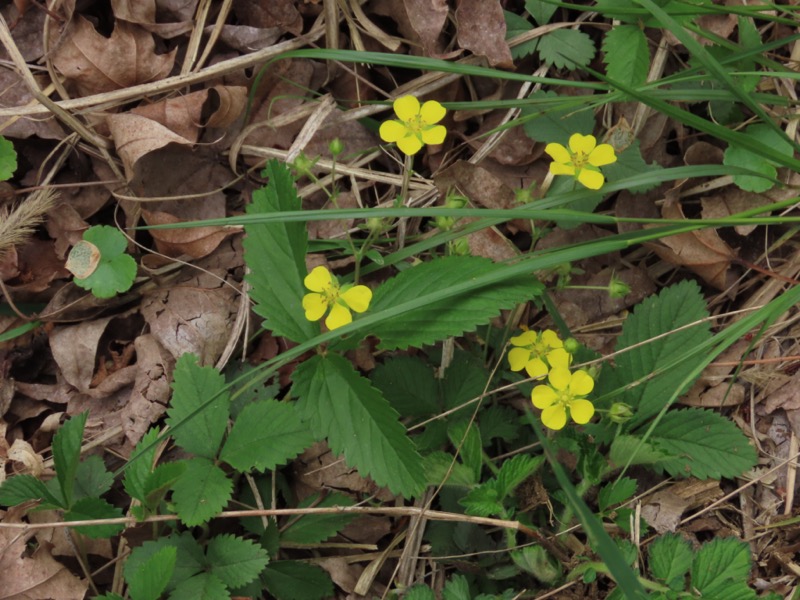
(177, 146)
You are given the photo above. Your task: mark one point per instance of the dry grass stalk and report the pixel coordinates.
(17, 224)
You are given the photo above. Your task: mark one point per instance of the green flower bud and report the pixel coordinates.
(303, 165)
(618, 288)
(376, 224)
(620, 412)
(336, 147)
(444, 223)
(459, 247)
(572, 345)
(454, 201)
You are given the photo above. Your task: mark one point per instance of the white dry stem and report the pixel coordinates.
(17, 224)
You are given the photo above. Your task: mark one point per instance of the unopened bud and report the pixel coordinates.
(618, 288)
(336, 147)
(303, 165)
(620, 412)
(572, 345)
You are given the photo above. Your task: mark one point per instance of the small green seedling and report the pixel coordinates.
(8, 159)
(99, 262)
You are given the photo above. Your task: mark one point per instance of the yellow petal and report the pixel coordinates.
(339, 316)
(536, 368)
(591, 179)
(551, 339)
(543, 396)
(409, 144)
(391, 131)
(558, 153)
(406, 107)
(518, 358)
(581, 383)
(559, 358)
(559, 378)
(559, 169)
(581, 411)
(318, 280)
(434, 135)
(526, 338)
(432, 112)
(315, 306)
(582, 143)
(602, 155)
(554, 417)
(357, 298)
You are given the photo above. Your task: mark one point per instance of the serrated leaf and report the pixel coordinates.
(266, 434)
(616, 492)
(515, 470)
(67, 454)
(92, 480)
(21, 488)
(408, 383)
(517, 25)
(8, 159)
(498, 421)
(438, 466)
(721, 569)
(189, 557)
(630, 163)
(464, 380)
(198, 413)
(419, 592)
(703, 444)
(626, 54)
(204, 586)
(275, 254)
(449, 317)
(312, 529)
(541, 11)
(151, 579)
(139, 468)
(161, 480)
(736, 156)
(95, 508)
(456, 588)
(236, 561)
(625, 448)
(566, 49)
(670, 559)
(293, 580)
(468, 441)
(556, 125)
(202, 491)
(536, 561)
(674, 307)
(484, 500)
(341, 405)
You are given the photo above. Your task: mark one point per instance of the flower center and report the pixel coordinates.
(331, 294)
(579, 159)
(416, 124)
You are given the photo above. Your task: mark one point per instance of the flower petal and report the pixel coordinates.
(410, 144)
(558, 153)
(536, 368)
(319, 280)
(559, 358)
(559, 169)
(581, 411)
(602, 155)
(581, 383)
(582, 143)
(518, 358)
(591, 179)
(357, 298)
(339, 316)
(543, 396)
(526, 338)
(554, 417)
(315, 306)
(559, 378)
(551, 339)
(391, 131)
(434, 135)
(432, 112)
(406, 107)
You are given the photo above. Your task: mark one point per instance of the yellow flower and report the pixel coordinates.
(537, 353)
(581, 160)
(326, 293)
(417, 125)
(564, 392)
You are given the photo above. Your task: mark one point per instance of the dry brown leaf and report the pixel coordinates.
(663, 511)
(717, 396)
(785, 397)
(136, 136)
(275, 13)
(183, 10)
(13, 93)
(22, 452)
(66, 227)
(704, 252)
(97, 64)
(74, 349)
(181, 114)
(151, 390)
(196, 242)
(135, 11)
(427, 18)
(230, 101)
(26, 32)
(245, 38)
(482, 30)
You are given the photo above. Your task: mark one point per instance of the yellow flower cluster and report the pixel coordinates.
(327, 294)
(543, 355)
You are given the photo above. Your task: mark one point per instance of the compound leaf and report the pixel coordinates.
(721, 569)
(204, 586)
(189, 557)
(541, 11)
(201, 492)
(566, 49)
(234, 560)
(626, 54)
(517, 25)
(294, 580)
(670, 559)
(152, 577)
(92, 480)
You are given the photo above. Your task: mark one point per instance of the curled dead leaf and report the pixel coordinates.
(195, 241)
(135, 136)
(22, 452)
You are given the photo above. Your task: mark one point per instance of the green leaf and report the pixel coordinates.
(736, 156)
(674, 307)
(294, 580)
(484, 500)
(408, 383)
(95, 508)
(266, 434)
(21, 488)
(703, 444)
(234, 560)
(205, 586)
(566, 49)
(189, 557)
(109, 596)
(419, 592)
(312, 529)
(452, 316)
(515, 470)
(160, 481)
(8, 159)
(625, 448)
(198, 413)
(469, 444)
(202, 491)
(630, 163)
(721, 569)
(615, 493)
(464, 380)
(626, 54)
(152, 577)
(517, 25)
(116, 270)
(92, 480)
(139, 468)
(556, 125)
(498, 421)
(536, 561)
(341, 405)
(437, 467)
(670, 559)
(457, 588)
(67, 454)
(541, 11)
(275, 254)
